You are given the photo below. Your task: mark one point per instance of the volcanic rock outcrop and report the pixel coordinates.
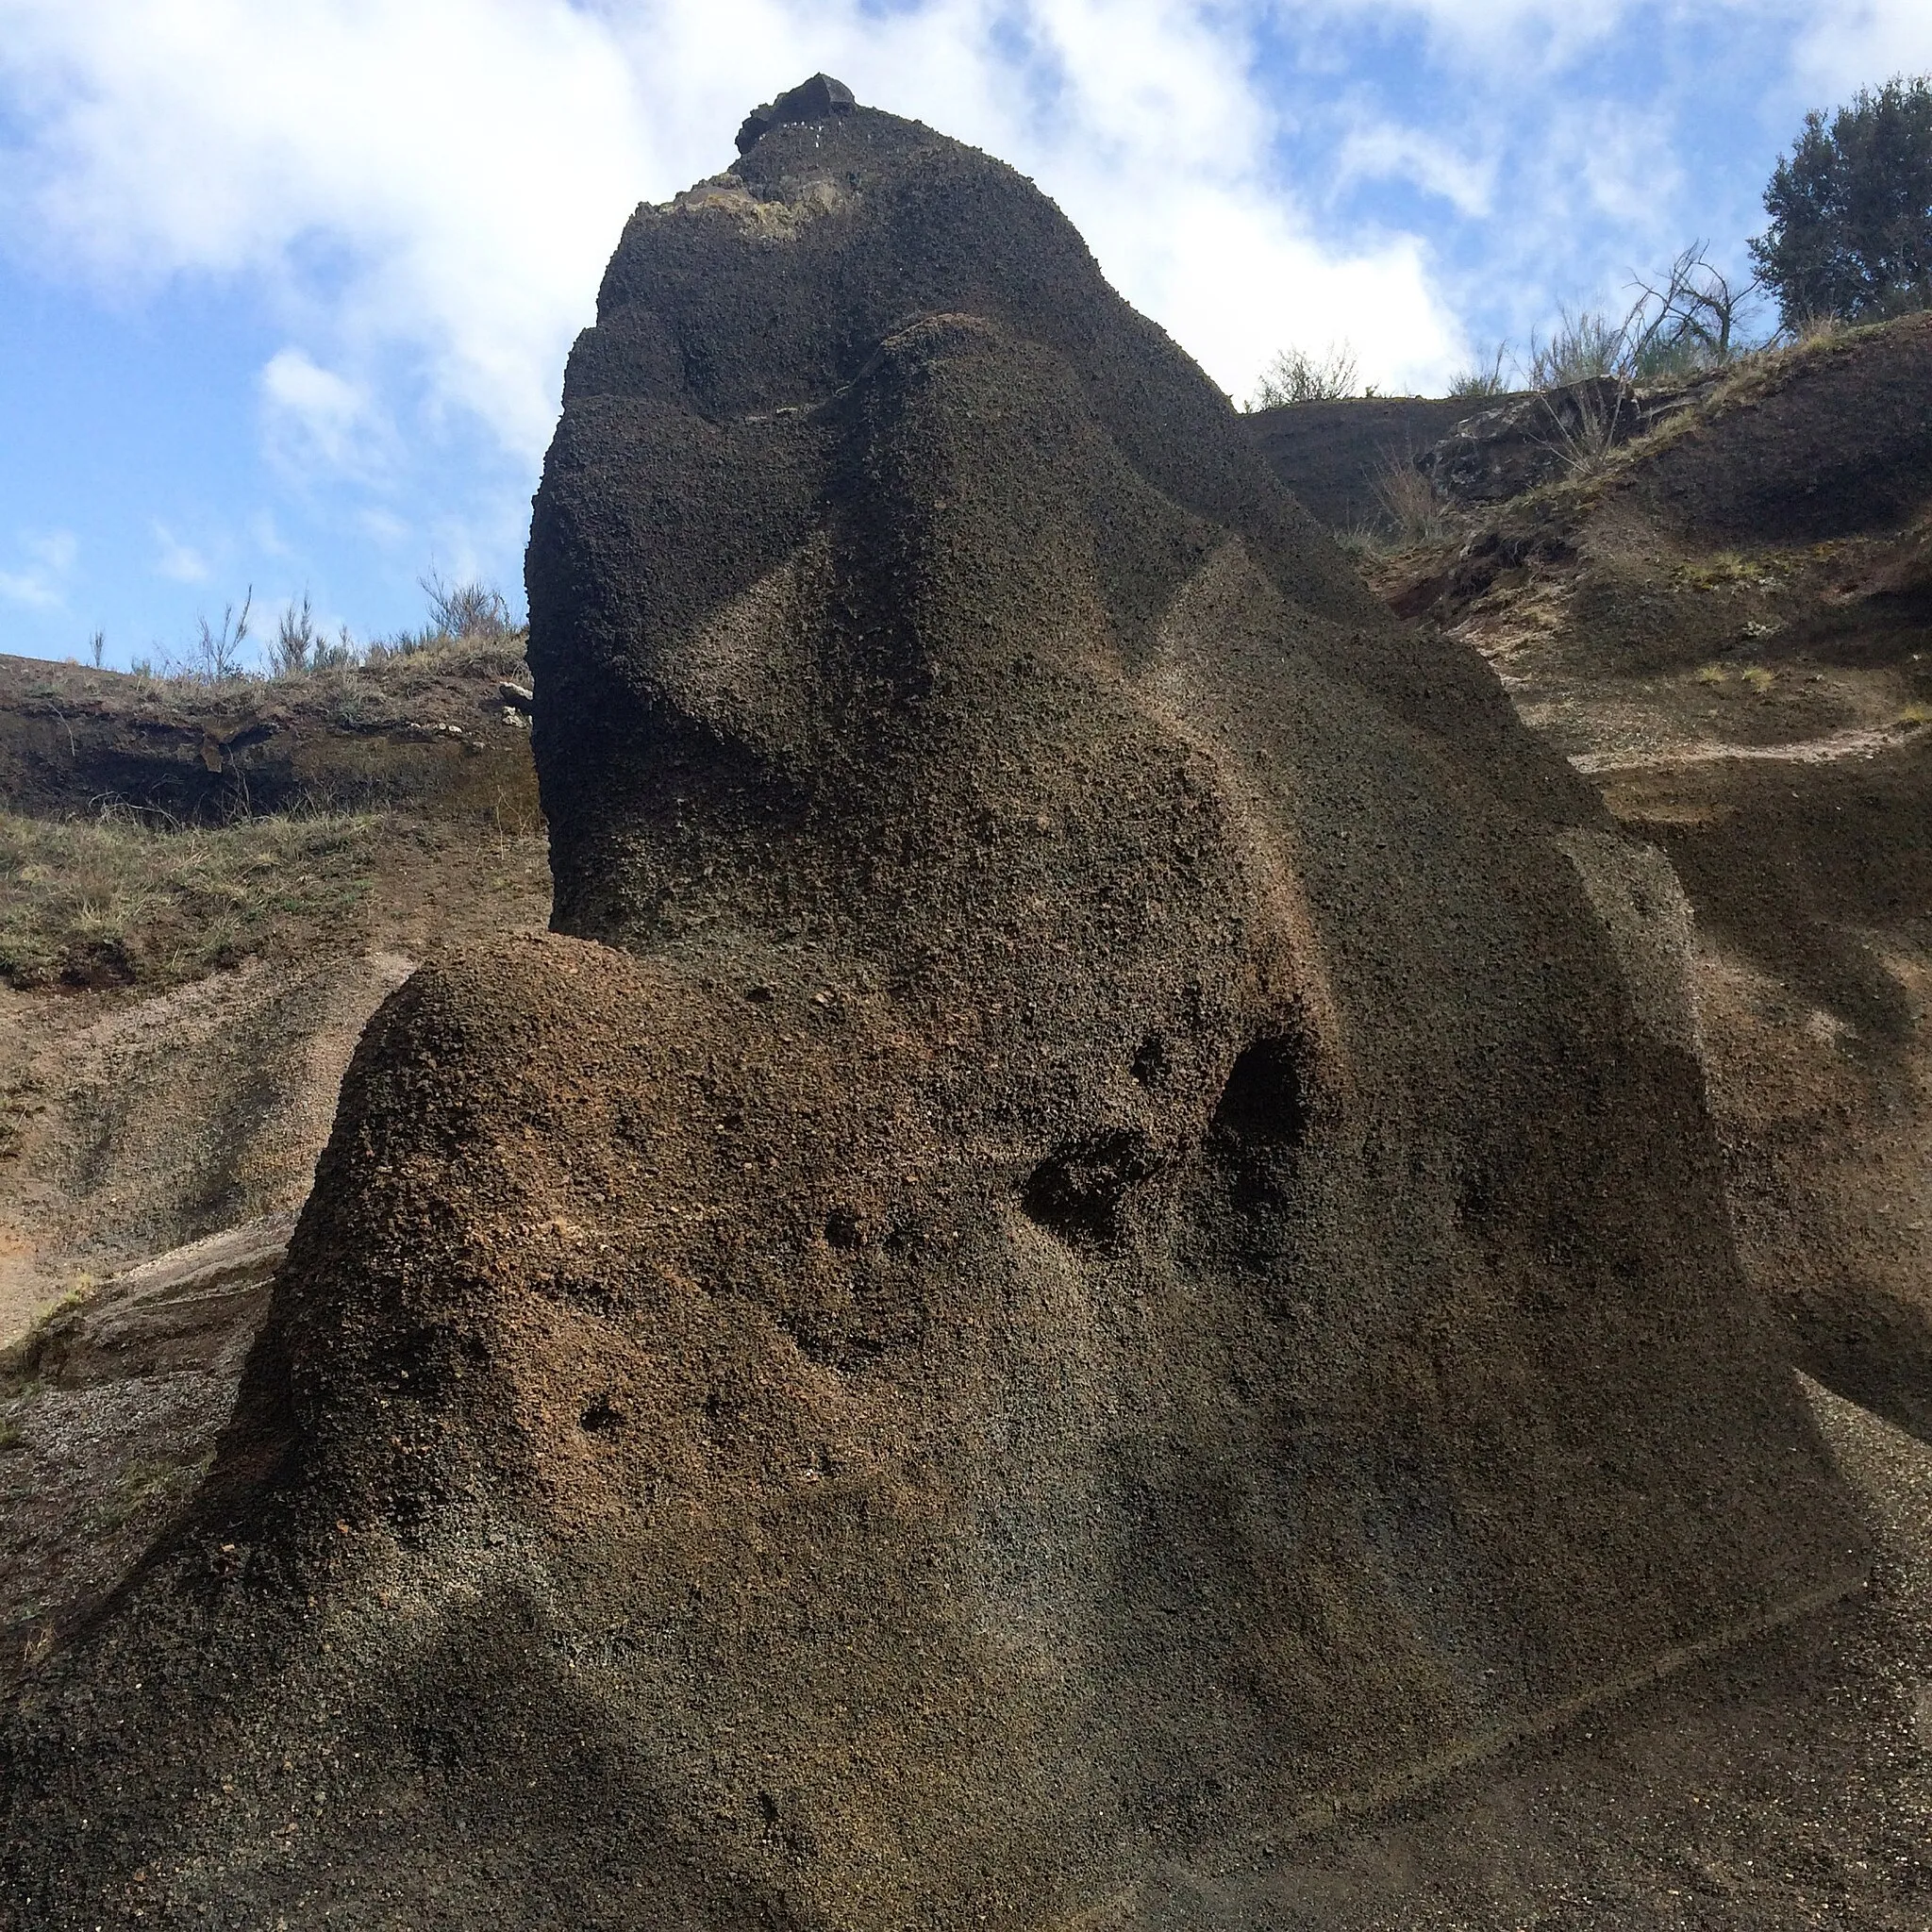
(1096, 1231)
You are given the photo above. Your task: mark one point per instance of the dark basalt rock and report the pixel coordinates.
(1096, 1231)
(817, 99)
(1525, 440)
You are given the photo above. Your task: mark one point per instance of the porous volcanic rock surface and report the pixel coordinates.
(1335, 457)
(1096, 1231)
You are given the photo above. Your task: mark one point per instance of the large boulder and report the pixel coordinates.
(1097, 1230)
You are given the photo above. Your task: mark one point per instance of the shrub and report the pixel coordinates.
(217, 657)
(1412, 504)
(1484, 379)
(1296, 376)
(1582, 347)
(1684, 320)
(300, 646)
(465, 611)
(295, 639)
(1685, 323)
(1851, 211)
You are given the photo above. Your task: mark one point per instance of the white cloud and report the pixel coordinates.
(266, 535)
(1526, 35)
(427, 191)
(178, 561)
(41, 583)
(1383, 150)
(465, 167)
(316, 416)
(1855, 43)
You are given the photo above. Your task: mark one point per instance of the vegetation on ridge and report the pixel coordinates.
(1851, 211)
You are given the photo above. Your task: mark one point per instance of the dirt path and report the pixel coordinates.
(1863, 742)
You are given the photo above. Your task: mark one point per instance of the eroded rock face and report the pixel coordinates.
(1079, 1244)
(1525, 441)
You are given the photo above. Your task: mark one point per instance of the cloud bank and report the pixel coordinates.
(430, 188)
(423, 193)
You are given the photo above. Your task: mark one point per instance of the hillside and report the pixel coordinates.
(1127, 1223)
(204, 892)
(1727, 626)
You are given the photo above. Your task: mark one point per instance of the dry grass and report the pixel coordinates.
(1411, 505)
(117, 900)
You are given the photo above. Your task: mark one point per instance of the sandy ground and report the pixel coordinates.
(140, 1121)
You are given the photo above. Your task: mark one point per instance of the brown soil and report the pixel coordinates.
(186, 986)
(425, 733)
(1336, 455)
(1784, 1783)
(1728, 629)
(922, 1392)
(109, 1415)
(1761, 712)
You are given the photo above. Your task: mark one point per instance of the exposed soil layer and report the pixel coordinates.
(1831, 443)
(1784, 1784)
(1334, 456)
(428, 735)
(109, 1415)
(1099, 1230)
(1762, 710)
(181, 1002)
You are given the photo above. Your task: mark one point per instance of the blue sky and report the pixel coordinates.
(285, 292)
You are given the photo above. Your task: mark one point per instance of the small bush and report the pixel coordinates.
(1584, 444)
(217, 657)
(1296, 376)
(1685, 320)
(295, 639)
(1583, 346)
(1484, 379)
(1412, 504)
(466, 611)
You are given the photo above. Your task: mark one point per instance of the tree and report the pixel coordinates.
(1683, 321)
(1851, 211)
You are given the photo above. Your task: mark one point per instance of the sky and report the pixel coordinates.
(286, 290)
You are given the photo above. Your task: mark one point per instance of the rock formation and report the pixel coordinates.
(1095, 1232)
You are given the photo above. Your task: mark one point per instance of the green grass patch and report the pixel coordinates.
(117, 900)
(144, 1487)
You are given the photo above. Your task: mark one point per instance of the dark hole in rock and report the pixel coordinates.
(1077, 1191)
(95, 964)
(1150, 1060)
(843, 1229)
(1265, 1100)
(601, 1417)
